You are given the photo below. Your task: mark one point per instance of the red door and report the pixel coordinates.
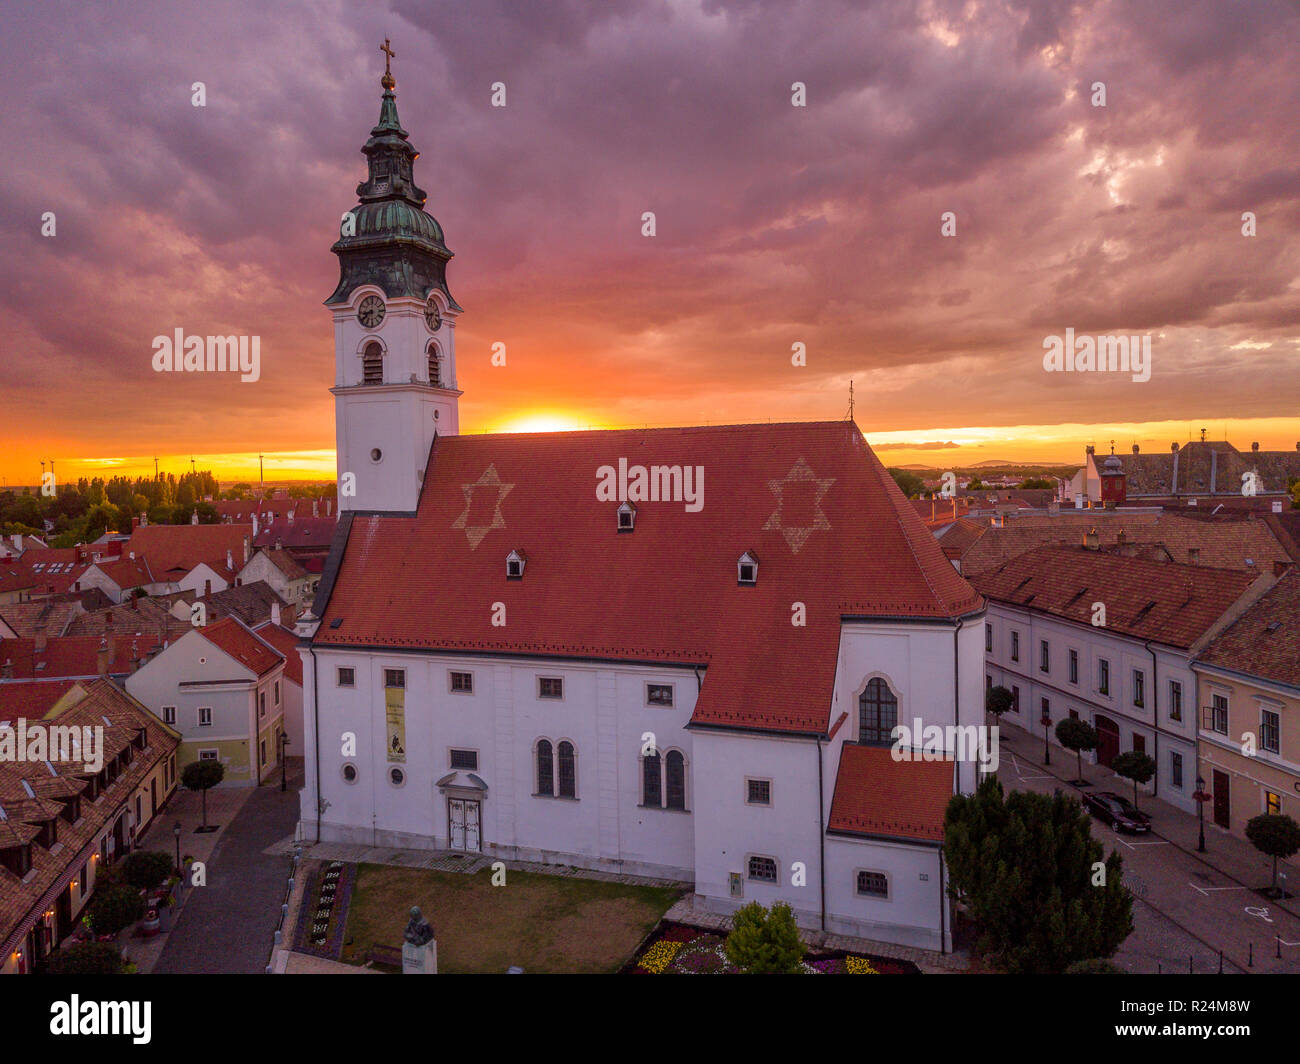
(1222, 805)
(1107, 740)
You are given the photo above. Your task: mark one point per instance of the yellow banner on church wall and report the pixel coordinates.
(395, 712)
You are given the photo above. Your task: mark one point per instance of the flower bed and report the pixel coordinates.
(323, 916)
(676, 949)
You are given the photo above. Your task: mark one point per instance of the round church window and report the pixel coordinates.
(397, 776)
(350, 772)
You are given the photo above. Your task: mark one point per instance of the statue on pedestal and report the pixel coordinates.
(419, 932)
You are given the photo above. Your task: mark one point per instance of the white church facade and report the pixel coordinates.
(503, 659)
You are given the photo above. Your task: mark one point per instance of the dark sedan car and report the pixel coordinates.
(1119, 813)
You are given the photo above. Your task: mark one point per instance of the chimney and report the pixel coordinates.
(1090, 540)
(290, 515)
(7, 670)
(1174, 446)
(135, 656)
(315, 507)
(245, 550)
(132, 554)
(1135, 448)
(135, 523)
(112, 649)
(1255, 446)
(275, 614)
(144, 520)
(207, 588)
(194, 517)
(277, 542)
(254, 526)
(18, 539)
(103, 657)
(135, 602)
(329, 503)
(1121, 539)
(230, 560)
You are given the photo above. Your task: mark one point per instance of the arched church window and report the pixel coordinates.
(567, 771)
(435, 366)
(545, 769)
(650, 769)
(372, 364)
(877, 713)
(675, 780)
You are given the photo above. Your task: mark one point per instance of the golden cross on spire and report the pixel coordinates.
(387, 80)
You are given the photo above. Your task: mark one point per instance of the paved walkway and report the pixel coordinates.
(450, 861)
(228, 926)
(688, 911)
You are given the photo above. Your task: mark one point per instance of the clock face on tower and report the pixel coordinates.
(371, 312)
(432, 315)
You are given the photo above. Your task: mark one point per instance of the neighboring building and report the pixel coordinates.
(1249, 690)
(74, 657)
(704, 692)
(119, 579)
(222, 688)
(1218, 541)
(1203, 470)
(60, 822)
(1126, 669)
(198, 558)
(285, 640)
(281, 571)
(307, 539)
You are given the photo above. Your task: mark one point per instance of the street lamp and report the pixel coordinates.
(284, 741)
(1046, 721)
(176, 831)
(1201, 798)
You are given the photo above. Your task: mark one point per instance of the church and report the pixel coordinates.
(509, 655)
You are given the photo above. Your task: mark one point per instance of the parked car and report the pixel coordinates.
(1118, 812)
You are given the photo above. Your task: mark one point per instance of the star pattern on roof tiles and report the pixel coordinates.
(492, 481)
(799, 472)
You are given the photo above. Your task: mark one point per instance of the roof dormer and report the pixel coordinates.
(515, 562)
(626, 517)
(747, 570)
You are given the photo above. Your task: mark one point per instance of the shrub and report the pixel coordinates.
(87, 958)
(146, 869)
(764, 941)
(114, 908)
(1094, 966)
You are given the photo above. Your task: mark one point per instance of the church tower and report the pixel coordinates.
(394, 327)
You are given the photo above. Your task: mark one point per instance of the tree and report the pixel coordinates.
(976, 484)
(1276, 835)
(1136, 766)
(1033, 879)
(1095, 966)
(763, 941)
(146, 869)
(202, 776)
(997, 700)
(115, 907)
(86, 958)
(1031, 483)
(909, 483)
(1077, 735)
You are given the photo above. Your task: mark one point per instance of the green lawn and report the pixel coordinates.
(541, 923)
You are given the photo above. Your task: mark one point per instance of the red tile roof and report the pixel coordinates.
(286, 642)
(175, 549)
(876, 795)
(46, 572)
(242, 645)
(1171, 604)
(127, 572)
(303, 533)
(1265, 640)
(72, 655)
(827, 522)
(30, 699)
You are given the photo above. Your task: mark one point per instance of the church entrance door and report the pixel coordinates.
(463, 819)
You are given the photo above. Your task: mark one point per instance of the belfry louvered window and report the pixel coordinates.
(372, 365)
(435, 366)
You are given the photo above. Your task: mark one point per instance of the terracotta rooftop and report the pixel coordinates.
(173, 550)
(88, 703)
(878, 796)
(72, 655)
(31, 699)
(829, 527)
(303, 533)
(1171, 604)
(242, 645)
(286, 642)
(1265, 640)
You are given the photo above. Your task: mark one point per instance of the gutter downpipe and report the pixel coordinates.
(821, 831)
(315, 714)
(956, 721)
(1155, 717)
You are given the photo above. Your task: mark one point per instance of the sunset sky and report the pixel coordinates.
(776, 224)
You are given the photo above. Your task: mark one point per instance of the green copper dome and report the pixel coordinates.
(388, 239)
